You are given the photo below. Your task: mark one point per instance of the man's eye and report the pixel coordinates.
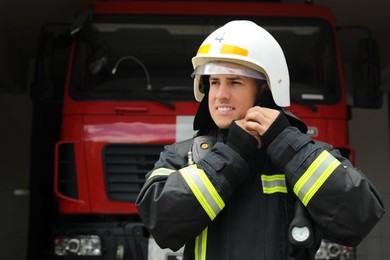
(213, 82)
(236, 82)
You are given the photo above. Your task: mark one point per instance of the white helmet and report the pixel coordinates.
(245, 43)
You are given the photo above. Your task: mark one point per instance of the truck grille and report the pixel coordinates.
(125, 167)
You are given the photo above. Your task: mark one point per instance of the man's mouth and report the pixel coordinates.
(224, 109)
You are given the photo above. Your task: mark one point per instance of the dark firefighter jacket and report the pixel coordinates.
(238, 201)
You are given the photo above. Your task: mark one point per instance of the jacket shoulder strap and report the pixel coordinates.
(183, 147)
(198, 146)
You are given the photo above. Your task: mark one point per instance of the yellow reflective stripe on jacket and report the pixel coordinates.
(203, 190)
(201, 245)
(161, 172)
(274, 183)
(317, 173)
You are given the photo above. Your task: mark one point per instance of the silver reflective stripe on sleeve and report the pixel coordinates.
(274, 183)
(203, 190)
(313, 178)
(201, 245)
(161, 172)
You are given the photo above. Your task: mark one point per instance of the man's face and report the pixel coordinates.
(230, 97)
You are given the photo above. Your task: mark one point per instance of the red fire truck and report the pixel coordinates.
(128, 92)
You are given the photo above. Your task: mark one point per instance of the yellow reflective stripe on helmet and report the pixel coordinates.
(204, 49)
(203, 190)
(317, 173)
(274, 183)
(161, 172)
(201, 245)
(231, 49)
(226, 49)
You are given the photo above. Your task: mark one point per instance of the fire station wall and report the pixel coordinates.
(369, 135)
(15, 117)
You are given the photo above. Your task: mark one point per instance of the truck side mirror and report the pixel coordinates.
(367, 94)
(80, 21)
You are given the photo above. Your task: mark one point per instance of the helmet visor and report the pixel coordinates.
(226, 68)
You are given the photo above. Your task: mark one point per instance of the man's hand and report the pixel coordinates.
(257, 121)
(243, 124)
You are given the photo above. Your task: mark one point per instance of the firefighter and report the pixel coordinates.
(251, 184)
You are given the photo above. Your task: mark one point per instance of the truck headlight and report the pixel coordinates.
(78, 245)
(329, 250)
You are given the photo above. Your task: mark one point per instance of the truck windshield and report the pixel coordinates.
(149, 57)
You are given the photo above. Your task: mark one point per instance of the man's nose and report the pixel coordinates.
(223, 91)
